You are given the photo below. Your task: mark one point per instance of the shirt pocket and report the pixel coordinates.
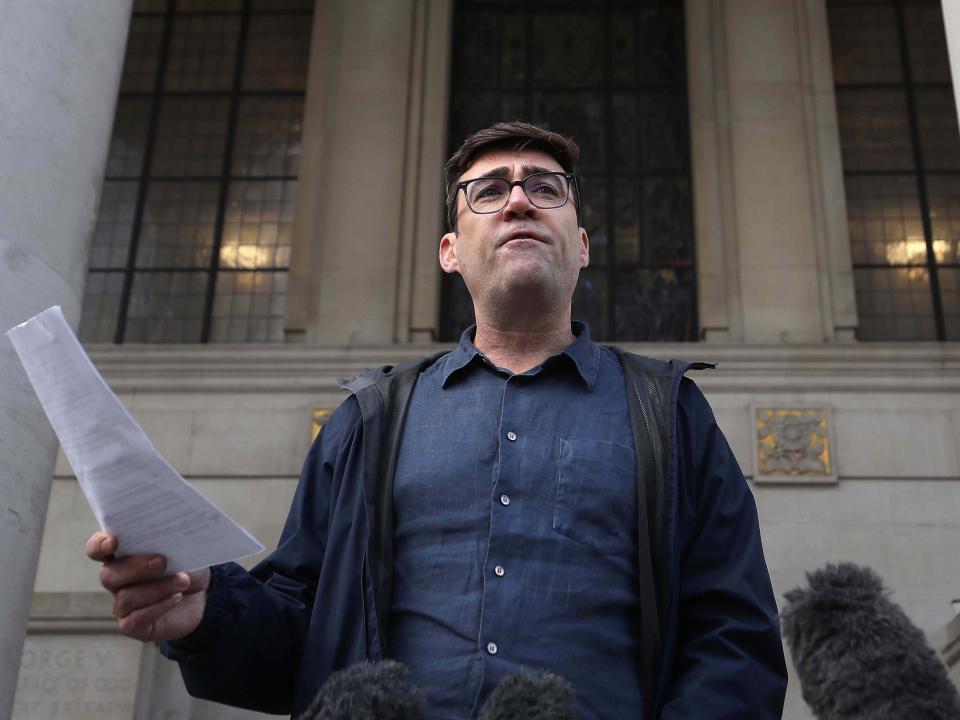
(596, 498)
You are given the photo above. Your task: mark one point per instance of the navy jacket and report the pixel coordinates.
(319, 602)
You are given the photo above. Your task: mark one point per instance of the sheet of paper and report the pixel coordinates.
(133, 492)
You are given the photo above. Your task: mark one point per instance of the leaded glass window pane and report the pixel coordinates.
(143, 54)
(203, 52)
(901, 156)
(894, 304)
(166, 307)
(191, 136)
(101, 302)
(178, 225)
(874, 129)
(127, 145)
(193, 234)
(110, 244)
(278, 51)
(268, 136)
(613, 76)
(865, 44)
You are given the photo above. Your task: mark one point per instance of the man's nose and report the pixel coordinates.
(518, 203)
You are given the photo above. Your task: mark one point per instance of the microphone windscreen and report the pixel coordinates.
(367, 691)
(858, 655)
(539, 696)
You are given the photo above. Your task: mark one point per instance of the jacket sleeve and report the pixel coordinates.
(729, 663)
(247, 649)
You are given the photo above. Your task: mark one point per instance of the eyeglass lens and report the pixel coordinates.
(544, 190)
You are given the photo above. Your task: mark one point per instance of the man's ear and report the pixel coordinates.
(448, 253)
(584, 248)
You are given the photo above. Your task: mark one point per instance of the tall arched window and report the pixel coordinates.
(901, 166)
(192, 239)
(613, 75)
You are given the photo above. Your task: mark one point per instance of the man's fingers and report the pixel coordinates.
(116, 574)
(139, 624)
(129, 599)
(101, 546)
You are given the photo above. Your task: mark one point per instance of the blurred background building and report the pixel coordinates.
(770, 184)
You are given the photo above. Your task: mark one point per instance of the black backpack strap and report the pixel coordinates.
(648, 400)
(384, 405)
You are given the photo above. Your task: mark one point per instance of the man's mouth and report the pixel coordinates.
(521, 234)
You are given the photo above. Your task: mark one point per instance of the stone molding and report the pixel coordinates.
(253, 368)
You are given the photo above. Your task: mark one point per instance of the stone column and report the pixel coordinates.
(773, 252)
(951, 23)
(363, 269)
(60, 64)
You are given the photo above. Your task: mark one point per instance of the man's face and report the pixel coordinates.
(521, 247)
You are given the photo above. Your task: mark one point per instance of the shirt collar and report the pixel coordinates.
(584, 354)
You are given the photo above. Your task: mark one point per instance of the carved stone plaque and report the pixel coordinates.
(793, 444)
(320, 416)
(82, 677)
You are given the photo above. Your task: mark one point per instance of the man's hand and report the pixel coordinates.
(149, 608)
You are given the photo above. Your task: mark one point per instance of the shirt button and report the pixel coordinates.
(511, 436)
(505, 499)
(492, 648)
(499, 570)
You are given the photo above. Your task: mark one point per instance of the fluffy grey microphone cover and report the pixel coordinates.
(530, 696)
(858, 655)
(367, 691)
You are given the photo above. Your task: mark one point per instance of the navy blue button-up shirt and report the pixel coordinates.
(516, 529)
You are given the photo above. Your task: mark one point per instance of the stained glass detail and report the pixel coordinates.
(612, 76)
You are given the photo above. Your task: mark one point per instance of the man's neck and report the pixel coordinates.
(518, 348)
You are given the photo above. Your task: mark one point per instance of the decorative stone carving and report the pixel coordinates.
(793, 445)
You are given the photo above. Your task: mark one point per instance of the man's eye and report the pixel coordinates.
(546, 190)
(489, 191)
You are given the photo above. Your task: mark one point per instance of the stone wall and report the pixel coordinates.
(237, 423)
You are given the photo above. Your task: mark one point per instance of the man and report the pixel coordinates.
(530, 500)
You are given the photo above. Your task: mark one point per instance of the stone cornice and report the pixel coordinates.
(916, 367)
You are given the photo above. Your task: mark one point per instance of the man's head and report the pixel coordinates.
(506, 136)
(516, 241)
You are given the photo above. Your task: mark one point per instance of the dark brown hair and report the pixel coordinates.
(514, 135)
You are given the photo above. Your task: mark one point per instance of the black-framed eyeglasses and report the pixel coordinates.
(545, 190)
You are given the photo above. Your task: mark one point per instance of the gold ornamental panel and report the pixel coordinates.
(320, 416)
(793, 444)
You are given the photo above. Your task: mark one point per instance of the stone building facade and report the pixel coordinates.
(270, 203)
